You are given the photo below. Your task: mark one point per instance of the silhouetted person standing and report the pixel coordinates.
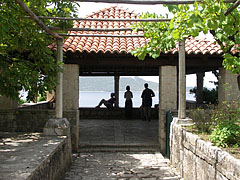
(146, 96)
(128, 103)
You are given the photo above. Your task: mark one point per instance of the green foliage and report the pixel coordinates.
(209, 96)
(25, 60)
(42, 98)
(21, 101)
(187, 21)
(202, 119)
(227, 130)
(226, 134)
(223, 123)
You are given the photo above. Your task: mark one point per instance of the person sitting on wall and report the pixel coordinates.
(110, 103)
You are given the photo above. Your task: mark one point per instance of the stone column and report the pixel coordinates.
(7, 103)
(228, 86)
(59, 89)
(116, 89)
(58, 126)
(200, 78)
(182, 81)
(71, 100)
(167, 99)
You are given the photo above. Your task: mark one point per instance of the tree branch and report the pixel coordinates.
(234, 6)
(36, 19)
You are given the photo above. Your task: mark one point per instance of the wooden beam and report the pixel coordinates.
(101, 35)
(234, 6)
(150, 2)
(36, 19)
(101, 19)
(93, 29)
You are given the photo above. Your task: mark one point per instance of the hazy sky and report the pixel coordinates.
(86, 8)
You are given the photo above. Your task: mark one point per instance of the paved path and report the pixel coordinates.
(120, 166)
(118, 132)
(119, 150)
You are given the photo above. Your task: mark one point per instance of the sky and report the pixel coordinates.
(86, 8)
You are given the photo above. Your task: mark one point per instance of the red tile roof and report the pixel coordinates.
(123, 44)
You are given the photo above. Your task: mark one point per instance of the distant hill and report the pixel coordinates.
(107, 84)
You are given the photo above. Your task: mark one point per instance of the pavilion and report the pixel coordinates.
(103, 55)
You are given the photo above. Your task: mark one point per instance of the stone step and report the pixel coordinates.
(118, 148)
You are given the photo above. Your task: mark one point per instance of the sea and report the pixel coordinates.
(91, 99)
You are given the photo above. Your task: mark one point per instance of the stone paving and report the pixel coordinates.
(118, 132)
(119, 150)
(120, 166)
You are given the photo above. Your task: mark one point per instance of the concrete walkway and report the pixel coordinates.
(119, 150)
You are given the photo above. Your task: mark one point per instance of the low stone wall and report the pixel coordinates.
(35, 157)
(33, 120)
(24, 120)
(115, 113)
(196, 159)
(54, 166)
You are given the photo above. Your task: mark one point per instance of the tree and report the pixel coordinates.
(26, 62)
(208, 16)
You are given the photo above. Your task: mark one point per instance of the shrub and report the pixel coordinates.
(202, 119)
(227, 120)
(226, 134)
(209, 96)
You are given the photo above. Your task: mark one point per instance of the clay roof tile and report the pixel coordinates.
(124, 45)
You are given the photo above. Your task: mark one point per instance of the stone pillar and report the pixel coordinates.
(182, 81)
(167, 100)
(7, 103)
(59, 88)
(116, 89)
(200, 78)
(228, 86)
(71, 100)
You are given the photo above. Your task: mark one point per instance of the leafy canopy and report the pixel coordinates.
(25, 60)
(189, 21)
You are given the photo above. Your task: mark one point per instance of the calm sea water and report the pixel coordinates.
(91, 99)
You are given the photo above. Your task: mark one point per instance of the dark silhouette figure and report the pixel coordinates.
(110, 103)
(146, 96)
(128, 103)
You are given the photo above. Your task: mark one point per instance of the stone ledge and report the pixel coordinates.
(210, 162)
(34, 156)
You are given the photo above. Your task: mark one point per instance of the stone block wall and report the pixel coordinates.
(24, 120)
(167, 99)
(228, 86)
(196, 159)
(118, 113)
(54, 166)
(73, 118)
(33, 120)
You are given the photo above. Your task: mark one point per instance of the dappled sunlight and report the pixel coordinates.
(51, 142)
(17, 139)
(121, 165)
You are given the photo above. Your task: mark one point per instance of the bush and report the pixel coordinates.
(209, 96)
(226, 134)
(202, 119)
(227, 130)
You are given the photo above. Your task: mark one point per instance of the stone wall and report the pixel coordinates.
(228, 86)
(118, 113)
(54, 166)
(24, 120)
(196, 159)
(33, 120)
(167, 99)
